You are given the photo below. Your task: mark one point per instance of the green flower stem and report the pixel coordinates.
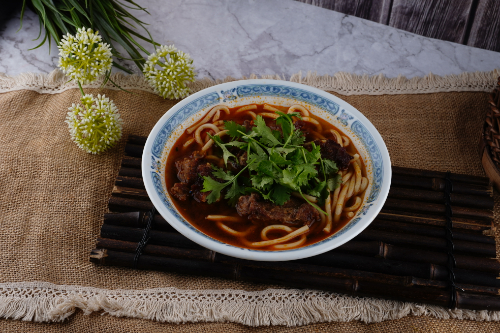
(81, 89)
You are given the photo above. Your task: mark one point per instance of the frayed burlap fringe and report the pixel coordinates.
(342, 83)
(47, 302)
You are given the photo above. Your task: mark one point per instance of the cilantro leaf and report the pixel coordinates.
(298, 138)
(267, 137)
(234, 193)
(226, 154)
(334, 182)
(234, 129)
(257, 160)
(305, 172)
(330, 166)
(210, 184)
(221, 174)
(288, 179)
(278, 159)
(280, 194)
(262, 181)
(266, 167)
(314, 155)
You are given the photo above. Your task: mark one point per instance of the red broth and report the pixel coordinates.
(196, 212)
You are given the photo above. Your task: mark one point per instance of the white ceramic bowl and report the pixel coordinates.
(362, 133)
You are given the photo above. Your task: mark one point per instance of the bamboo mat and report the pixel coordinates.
(53, 197)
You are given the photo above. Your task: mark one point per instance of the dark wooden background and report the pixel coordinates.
(469, 22)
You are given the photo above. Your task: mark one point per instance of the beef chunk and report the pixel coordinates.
(333, 151)
(186, 168)
(248, 124)
(301, 126)
(293, 212)
(203, 170)
(180, 191)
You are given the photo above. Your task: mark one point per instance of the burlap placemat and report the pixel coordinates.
(53, 197)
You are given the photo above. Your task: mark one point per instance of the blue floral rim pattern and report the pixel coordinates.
(249, 90)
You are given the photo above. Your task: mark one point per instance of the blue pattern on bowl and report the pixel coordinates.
(214, 98)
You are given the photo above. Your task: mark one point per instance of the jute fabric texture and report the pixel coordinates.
(53, 197)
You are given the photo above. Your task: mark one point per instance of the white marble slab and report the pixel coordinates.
(240, 37)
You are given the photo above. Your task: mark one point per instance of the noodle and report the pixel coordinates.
(346, 141)
(283, 239)
(211, 141)
(224, 218)
(197, 134)
(187, 143)
(252, 114)
(246, 108)
(234, 232)
(364, 184)
(288, 246)
(350, 191)
(357, 169)
(208, 117)
(302, 110)
(337, 136)
(317, 135)
(263, 233)
(307, 196)
(315, 122)
(346, 177)
(340, 202)
(328, 209)
(353, 207)
(269, 115)
(270, 108)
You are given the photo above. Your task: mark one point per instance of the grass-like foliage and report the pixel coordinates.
(110, 17)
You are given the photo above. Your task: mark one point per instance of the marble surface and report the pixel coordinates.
(241, 37)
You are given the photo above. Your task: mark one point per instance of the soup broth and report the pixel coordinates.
(221, 221)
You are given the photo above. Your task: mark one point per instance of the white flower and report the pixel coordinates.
(95, 125)
(168, 71)
(84, 57)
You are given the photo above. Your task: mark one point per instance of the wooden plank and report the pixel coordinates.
(373, 10)
(485, 31)
(441, 19)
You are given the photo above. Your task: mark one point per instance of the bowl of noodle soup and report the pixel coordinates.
(185, 136)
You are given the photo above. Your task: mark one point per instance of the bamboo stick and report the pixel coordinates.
(366, 248)
(419, 241)
(469, 225)
(130, 172)
(332, 258)
(350, 286)
(438, 184)
(134, 150)
(462, 200)
(129, 182)
(131, 162)
(437, 209)
(137, 140)
(428, 230)
(436, 174)
(208, 255)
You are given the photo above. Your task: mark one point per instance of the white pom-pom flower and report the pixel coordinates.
(84, 57)
(168, 70)
(95, 125)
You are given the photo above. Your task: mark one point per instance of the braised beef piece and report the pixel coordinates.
(273, 126)
(248, 124)
(333, 151)
(186, 168)
(181, 191)
(203, 170)
(301, 126)
(294, 212)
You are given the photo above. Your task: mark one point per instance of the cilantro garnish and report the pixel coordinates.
(277, 164)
